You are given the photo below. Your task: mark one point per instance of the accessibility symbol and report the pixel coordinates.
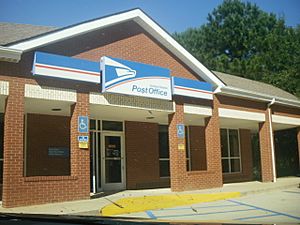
(180, 131)
(83, 124)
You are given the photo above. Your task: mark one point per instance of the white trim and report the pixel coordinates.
(10, 54)
(239, 114)
(139, 17)
(272, 144)
(197, 110)
(286, 120)
(50, 93)
(241, 93)
(4, 88)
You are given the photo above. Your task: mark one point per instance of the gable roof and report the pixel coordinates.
(137, 15)
(246, 88)
(13, 32)
(254, 86)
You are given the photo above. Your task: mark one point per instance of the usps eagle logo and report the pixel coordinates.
(122, 72)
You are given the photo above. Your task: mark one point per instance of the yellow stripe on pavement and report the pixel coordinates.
(140, 204)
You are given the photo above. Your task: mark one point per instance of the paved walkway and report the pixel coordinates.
(92, 206)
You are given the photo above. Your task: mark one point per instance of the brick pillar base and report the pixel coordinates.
(80, 158)
(266, 150)
(177, 156)
(13, 145)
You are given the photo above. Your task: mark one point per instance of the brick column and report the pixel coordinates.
(177, 156)
(80, 158)
(266, 150)
(213, 143)
(13, 145)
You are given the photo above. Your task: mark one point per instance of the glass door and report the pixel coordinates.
(112, 162)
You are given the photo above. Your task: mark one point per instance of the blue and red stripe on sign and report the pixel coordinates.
(52, 65)
(192, 88)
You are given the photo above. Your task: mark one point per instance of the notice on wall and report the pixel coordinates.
(83, 142)
(181, 147)
(59, 151)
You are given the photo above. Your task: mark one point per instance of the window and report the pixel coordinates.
(112, 125)
(187, 149)
(230, 148)
(47, 144)
(164, 160)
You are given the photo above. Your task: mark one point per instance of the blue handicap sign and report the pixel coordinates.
(180, 131)
(83, 138)
(83, 124)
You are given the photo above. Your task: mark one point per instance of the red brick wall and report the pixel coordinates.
(126, 40)
(142, 156)
(44, 131)
(197, 148)
(181, 179)
(19, 190)
(246, 158)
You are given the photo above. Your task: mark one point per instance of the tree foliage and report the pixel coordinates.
(241, 39)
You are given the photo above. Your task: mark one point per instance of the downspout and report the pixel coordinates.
(272, 139)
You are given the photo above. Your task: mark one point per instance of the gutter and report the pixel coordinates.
(256, 96)
(10, 54)
(272, 139)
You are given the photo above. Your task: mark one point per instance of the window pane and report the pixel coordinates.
(164, 168)
(163, 138)
(234, 143)
(188, 165)
(98, 124)
(112, 125)
(225, 165)
(187, 150)
(235, 165)
(224, 143)
(92, 124)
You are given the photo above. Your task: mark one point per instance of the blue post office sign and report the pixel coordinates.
(83, 124)
(180, 131)
(133, 78)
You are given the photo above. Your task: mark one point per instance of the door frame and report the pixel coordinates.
(113, 186)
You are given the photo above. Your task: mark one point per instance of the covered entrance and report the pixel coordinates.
(107, 155)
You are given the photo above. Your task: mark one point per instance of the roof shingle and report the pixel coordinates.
(253, 86)
(13, 32)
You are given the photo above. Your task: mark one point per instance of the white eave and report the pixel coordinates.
(10, 54)
(139, 17)
(236, 92)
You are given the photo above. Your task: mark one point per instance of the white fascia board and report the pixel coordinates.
(165, 39)
(143, 20)
(197, 110)
(74, 31)
(256, 96)
(286, 120)
(239, 114)
(10, 54)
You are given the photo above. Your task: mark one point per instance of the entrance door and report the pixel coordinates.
(113, 176)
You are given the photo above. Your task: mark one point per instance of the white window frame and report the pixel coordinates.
(229, 150)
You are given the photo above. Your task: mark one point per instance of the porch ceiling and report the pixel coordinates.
(107, 112)
(239, 123)
(43, 106)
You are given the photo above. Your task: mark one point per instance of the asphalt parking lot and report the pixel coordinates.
(272, 207)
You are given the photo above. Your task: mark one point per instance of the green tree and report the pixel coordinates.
(241, 39)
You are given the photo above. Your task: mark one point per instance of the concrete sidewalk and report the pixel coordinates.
(92, 206)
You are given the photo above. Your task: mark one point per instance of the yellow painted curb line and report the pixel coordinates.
(140, 204)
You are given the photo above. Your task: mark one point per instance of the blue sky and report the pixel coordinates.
(173, 15)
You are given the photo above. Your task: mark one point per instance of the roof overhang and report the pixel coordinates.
(236, 92)
(10, 54)
(140, 18)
